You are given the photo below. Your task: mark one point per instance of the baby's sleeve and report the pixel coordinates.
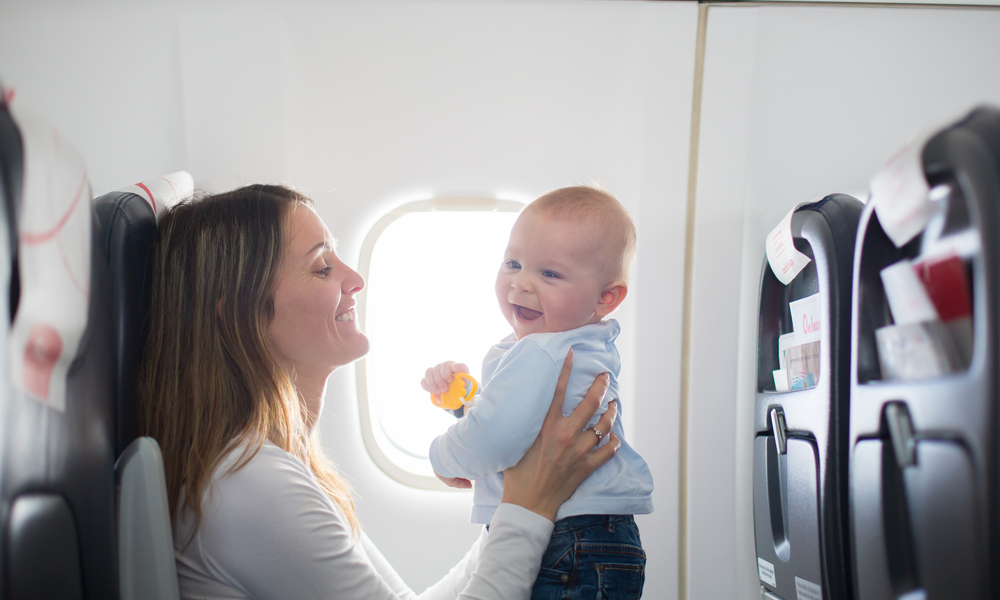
(507, 417)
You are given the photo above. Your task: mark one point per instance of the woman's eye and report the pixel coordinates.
(324, 271)
(513, 264)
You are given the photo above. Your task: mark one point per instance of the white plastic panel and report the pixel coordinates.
(145, 539)
(799, 102)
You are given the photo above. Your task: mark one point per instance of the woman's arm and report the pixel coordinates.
(268, 531)
(516, 541)
(511, 556)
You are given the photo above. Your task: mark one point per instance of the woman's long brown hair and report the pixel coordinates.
(209, 382)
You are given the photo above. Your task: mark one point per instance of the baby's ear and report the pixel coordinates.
(610, 298)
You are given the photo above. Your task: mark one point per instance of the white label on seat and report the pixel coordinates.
(765, 571)
(900, 191)
(901, 195)
(807, 319)
(807, 590)
(785, 260)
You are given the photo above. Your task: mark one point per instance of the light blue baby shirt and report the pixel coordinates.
(519, 379)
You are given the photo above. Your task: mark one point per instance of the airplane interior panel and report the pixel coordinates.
(758, 159)
(796, 451)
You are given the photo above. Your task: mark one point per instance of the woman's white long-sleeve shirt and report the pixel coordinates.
(268, 531)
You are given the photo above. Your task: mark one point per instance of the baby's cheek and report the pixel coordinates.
(500, 288)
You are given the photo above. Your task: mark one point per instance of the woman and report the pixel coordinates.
(251, 312)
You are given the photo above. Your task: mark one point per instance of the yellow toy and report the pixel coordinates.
(456, 395)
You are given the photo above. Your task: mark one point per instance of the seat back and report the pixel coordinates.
(925, 407)
(56, 454)
(800, 460)
(127, 220)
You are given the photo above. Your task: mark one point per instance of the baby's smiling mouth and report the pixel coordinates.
(526, 314)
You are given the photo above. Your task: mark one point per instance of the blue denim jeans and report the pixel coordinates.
(592, 557)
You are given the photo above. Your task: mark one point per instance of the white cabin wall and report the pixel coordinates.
(798, 102)
(367, 105)
(107, 75)
(653, 363)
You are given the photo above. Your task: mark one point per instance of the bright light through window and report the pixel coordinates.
(430, 298)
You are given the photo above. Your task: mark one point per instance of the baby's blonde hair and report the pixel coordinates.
(597, 207)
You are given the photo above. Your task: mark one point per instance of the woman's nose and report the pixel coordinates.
(353, 282)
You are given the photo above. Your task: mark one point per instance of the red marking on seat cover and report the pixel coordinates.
(170, 183)
(32, 238)
(40, 356)
(150, 194)
(8, 96)
(69, 269)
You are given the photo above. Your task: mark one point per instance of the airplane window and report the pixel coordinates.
(430, 268)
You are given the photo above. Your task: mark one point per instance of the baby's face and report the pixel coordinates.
(551, 279)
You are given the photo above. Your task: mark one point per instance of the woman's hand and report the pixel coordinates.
(563, 454)
(455, 482)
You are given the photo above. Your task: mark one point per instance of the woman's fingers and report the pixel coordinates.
(603, 454)
(607, 420)
(555, 409)
(591, 402)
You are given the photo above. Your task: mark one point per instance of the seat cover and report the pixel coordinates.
(56, 413)
(54, 227)
(163, 192)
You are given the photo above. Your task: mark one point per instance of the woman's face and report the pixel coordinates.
(314, 329)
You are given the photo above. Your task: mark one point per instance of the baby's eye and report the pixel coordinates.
(550, 274)
(512, 264)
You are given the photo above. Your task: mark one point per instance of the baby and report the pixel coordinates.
(565, 269)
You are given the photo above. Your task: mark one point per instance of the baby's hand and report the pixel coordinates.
(437, 378)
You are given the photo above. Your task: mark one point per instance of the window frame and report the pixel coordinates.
(369, 433)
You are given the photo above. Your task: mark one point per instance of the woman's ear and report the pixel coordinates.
(610, 298)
